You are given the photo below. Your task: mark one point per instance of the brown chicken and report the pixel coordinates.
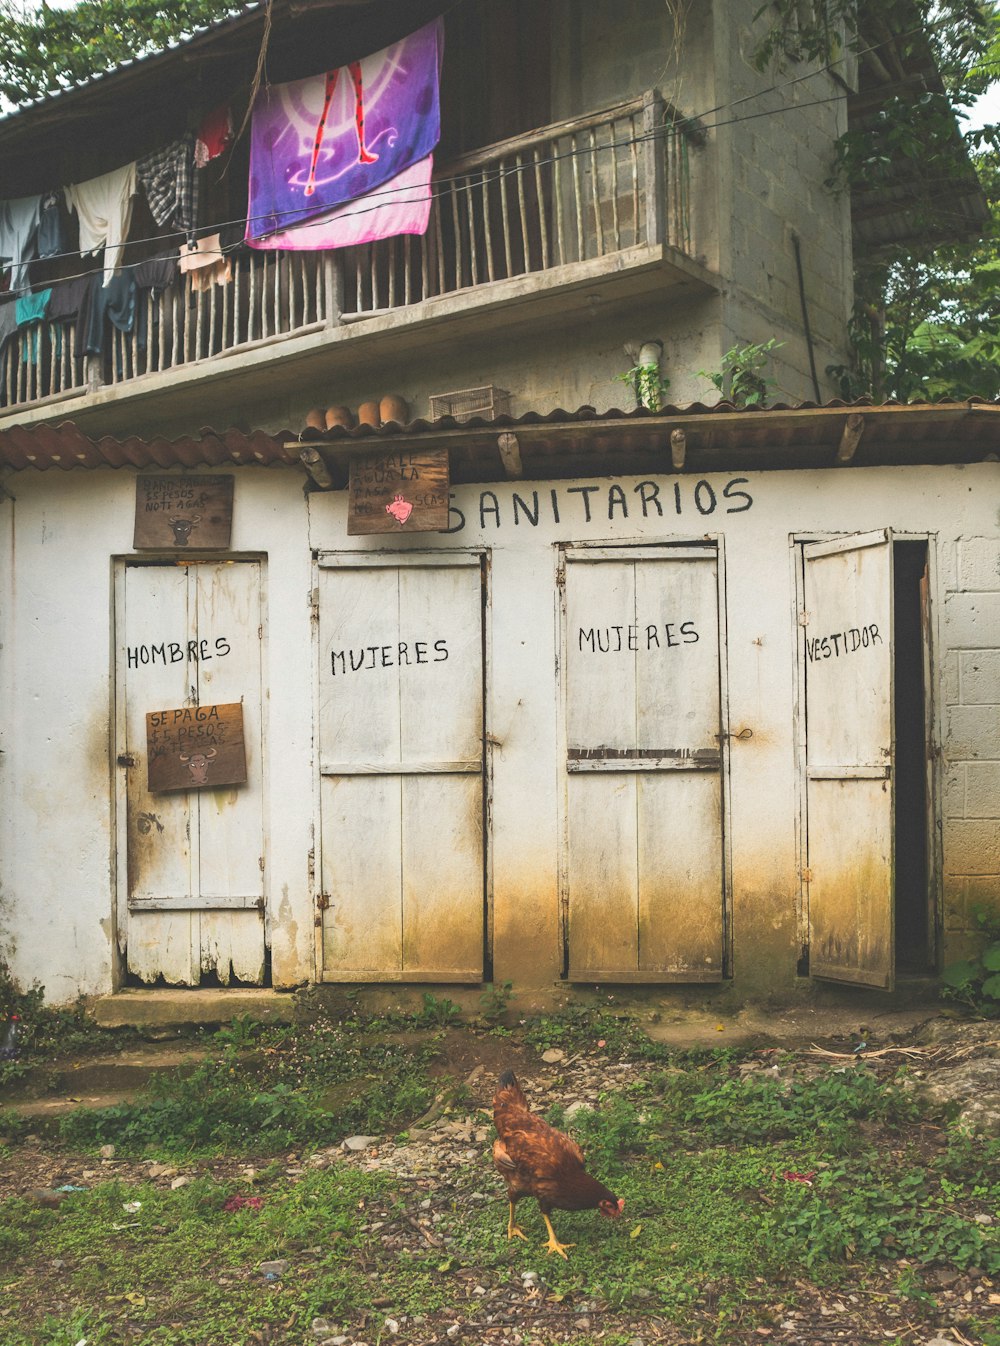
(534, 1159)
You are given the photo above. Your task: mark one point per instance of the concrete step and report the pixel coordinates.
(49, 1090)
(197, 1007)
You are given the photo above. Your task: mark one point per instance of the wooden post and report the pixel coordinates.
(333, 289)
(678, 449)
(854, 428)
(510, 454)
(653, 166)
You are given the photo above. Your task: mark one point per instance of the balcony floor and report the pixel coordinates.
(302, 364)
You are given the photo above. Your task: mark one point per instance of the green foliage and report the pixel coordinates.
(718, 1226)
(303, 1086)
(741, 377)
(45, 1031)
(495, 1001)
(975, 982)
(44, 49)
(648, 384)
(439, 1011)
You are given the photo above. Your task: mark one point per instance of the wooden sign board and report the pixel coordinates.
(399, 493)
(195, 748)
(173, 512)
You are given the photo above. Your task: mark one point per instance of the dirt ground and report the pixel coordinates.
(510, 1308)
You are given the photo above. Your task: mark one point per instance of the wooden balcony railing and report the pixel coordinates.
(578, 190)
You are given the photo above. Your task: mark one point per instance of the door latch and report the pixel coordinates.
(127, 759)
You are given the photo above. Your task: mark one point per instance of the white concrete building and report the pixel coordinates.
(702, 702)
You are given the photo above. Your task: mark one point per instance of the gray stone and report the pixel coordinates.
(553, 1055)
(276, 1268)
(107, 1152)
(358, 1143)
(973, 1088)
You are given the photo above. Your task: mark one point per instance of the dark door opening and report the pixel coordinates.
(914, 925)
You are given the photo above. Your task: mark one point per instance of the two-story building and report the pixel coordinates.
(675, 696)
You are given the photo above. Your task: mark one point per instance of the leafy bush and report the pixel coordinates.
(975, 982)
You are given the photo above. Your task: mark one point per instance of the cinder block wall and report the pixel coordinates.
(971, 735)
(776, 139)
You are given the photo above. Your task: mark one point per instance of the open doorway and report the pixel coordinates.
(914, 905)
(868, 900)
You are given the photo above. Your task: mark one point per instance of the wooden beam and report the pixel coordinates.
(510, 454)
(850, 438)
(312, 461)
(678, 449)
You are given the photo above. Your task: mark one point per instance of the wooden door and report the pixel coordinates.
(401, 768)
(847, 640)
(190, 862)
(644, 872)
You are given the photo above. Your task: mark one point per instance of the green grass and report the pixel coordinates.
(273, 1090)
(716, 1230)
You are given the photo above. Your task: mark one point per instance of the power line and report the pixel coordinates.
(440, 186)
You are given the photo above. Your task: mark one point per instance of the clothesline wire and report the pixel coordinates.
(441, 186)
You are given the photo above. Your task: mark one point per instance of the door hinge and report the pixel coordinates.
(260, 863)
(807, 875)
(322, 901)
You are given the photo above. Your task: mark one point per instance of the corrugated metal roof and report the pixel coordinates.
(65, 446)
(558, 444)
(130, 63)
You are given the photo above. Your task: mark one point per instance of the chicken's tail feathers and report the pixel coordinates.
(509, 1091)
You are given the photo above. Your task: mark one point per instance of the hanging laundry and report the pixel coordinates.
(67, 296)
(8, 322)
(18, 237)
(156, 273)
(214, 135)
(104, 206)
(171, 185)
(114, 300)
(318, 143)
(51, 239)
(401, 206)
(206, 263)
(29, 310)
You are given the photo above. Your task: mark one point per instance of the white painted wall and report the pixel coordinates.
(58, 540)
(56, 849)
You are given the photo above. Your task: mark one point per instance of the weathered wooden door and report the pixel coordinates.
(644, 870)
(190, 862)
(847, 629)
(401, 767)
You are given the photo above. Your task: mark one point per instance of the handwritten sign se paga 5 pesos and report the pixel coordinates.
(403, 492)
(183, 511)
(195, 748)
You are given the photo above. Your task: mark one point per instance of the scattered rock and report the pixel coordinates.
(553, 1055)
(392, 1325)
(453, 1331)
(357, 1143)
(107, 1152)
(161, 1171)
(322, 1327)
(179, 1182)
(276, 1268)
(983, 1219)
(973, 1088)
(45, 1196)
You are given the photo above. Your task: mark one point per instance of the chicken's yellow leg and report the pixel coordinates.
(512, 1230)
(553, 1245)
